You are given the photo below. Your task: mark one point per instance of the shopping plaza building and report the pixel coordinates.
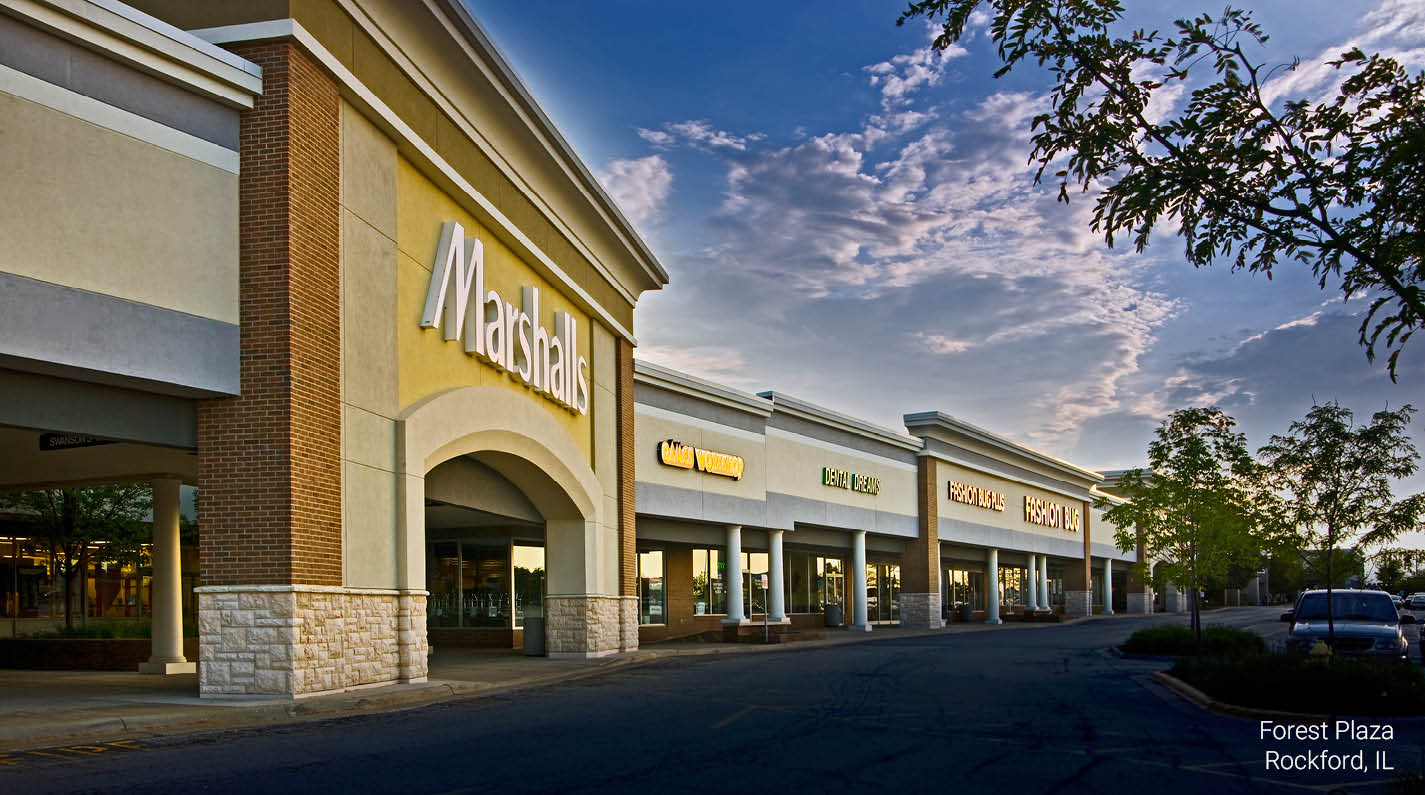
(328, 262)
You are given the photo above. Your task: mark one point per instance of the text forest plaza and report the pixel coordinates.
(347, 279)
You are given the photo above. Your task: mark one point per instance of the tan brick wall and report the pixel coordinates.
(627, 511)
(920, 570)
(269, 462)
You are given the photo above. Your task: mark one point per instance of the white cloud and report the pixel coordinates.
(903, 75)
(941, 344)
(639, 186)
(1394, 28)
(700, 134)
(658, 138)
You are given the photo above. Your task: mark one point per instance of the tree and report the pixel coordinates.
(1337, 185)
(1335, 479)
(1196, 513)
(1395, 565)
(69, 521)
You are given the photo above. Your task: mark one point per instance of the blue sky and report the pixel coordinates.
(850, 219)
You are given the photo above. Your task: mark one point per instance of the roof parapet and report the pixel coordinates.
(684, 384)
(938, 419)
(811, 412)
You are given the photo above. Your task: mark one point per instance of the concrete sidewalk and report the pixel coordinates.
(51, 709)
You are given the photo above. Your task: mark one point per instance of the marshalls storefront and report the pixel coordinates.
(328, 262)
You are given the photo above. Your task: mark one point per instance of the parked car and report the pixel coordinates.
(1398, 602)
(1415, 601)
(1366, 623)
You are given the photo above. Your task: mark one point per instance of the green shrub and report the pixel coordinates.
(1178, 641)
(134, 629)
(1295, 683)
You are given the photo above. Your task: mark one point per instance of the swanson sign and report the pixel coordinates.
(507, 336)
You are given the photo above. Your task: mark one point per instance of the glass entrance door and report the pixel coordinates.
(883, 592)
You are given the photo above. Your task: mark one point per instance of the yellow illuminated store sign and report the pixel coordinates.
(1052, 514)
(676, 454)
(841, 479)
(976, 496)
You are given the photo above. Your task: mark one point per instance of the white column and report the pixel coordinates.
(1031, 593)
(992, 587)
(1044, 581)
(860, 622)
(776, 608)
(1108, 586)
(167, 654)
(733, 579)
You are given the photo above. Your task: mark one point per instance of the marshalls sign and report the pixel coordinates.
(511, 338)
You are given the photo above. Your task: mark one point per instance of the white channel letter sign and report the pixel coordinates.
(976, 496)
(511, 338)
(1052, 514)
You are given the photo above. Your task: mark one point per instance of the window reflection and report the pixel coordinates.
(652, 599)
(529, 582)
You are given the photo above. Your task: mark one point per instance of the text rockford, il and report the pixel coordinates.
(1325, 759)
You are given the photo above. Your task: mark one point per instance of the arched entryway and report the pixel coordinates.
(500, 466)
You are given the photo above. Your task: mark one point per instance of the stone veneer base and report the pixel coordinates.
(304, 640)
(582, 626)
(628, 623)
(921, 611)
(1078, 603)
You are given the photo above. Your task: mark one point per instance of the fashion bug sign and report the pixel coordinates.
(509, 337)
(1052, 514)
(976, 496)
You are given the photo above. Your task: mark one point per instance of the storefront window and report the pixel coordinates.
(652, 600)
(709, 594)
(883, 592)
(529, 582)
(830, 582)
(962, 586)
(754, 565)
(1011, 585)
(443, 608)
(798, 581)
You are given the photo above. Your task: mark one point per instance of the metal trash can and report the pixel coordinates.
(833, 615)
(967, 611)
(534, 636)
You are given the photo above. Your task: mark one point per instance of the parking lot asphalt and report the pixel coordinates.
(1047, 709)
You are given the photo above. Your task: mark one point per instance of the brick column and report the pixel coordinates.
(627, 511)
(1139, 593)
(269, 461)
(920, 569)
(1078, 576)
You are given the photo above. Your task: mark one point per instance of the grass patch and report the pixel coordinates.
(1179, 641)
(1297, 683)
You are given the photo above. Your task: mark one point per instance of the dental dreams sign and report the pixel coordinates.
(509, 337)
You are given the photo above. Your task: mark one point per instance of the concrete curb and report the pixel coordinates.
(1200, 699)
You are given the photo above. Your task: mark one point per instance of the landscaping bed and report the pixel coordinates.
(1235, 668)
(1176, 641)
(1297, 683)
